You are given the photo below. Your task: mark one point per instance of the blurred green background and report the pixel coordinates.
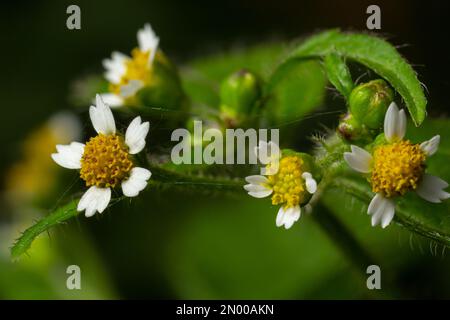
(178, 245)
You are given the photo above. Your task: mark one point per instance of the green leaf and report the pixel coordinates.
(55, 218)
(412, 212)
(377, 55)
(295, 89)
(338, 74)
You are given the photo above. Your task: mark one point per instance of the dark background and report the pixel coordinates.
(40, 57)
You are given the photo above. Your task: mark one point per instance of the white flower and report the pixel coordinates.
(288, 189)
(105, 161)
(288, 216)
(126, 83)
(396, 168)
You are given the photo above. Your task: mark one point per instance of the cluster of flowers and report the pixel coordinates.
(392, 167)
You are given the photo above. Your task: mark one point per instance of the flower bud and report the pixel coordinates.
(239, 94)
(369, 102)
(163, 88)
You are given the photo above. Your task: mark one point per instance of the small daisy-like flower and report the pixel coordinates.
(397, 167)
(127, 75)
(106, 160)
(290, 186)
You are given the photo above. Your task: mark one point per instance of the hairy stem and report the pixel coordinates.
(162, 177)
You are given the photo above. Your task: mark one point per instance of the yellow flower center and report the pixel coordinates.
(288, 184)
(397, 168)
(137, 68)
(105, 161)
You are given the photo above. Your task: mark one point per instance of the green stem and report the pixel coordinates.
(162, 177)
(58, 217)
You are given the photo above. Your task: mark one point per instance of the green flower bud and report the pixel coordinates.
(163, 88)
(369, 102)
(239, 94)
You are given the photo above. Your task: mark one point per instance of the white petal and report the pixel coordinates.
(288, 217)
(400, 129)
(382, 210)
(130, 89)
(148, 41)
(388, 214)
(112, 100)
(430, 147)
(115, 67)
(394, 123)
(136, 182)
(102, 117)
(311, 184)
(257, 179)
(260, 194)
(376, 217)
(292, 215)
(93, 200)
(390, 121)
(375, 204)
(256, 188)
(359, 159)
(69, 156)
(280, 217)
(136, 134)
(431, 189)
